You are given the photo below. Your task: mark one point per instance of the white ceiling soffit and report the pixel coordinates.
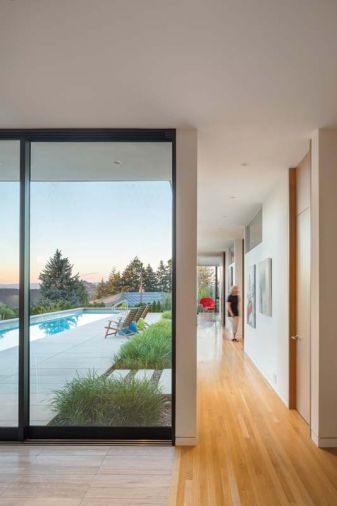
(210, 260)
(254, 77)
(96, 161)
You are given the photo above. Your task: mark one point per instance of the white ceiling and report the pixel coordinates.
(254, 77)
(85, 161)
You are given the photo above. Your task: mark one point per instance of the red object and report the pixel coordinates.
(207, 303)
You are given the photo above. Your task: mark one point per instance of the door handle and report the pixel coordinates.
(295, 338)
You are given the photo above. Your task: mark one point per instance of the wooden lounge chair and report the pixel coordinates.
(139, 313)
(146, 309)
(114, 327)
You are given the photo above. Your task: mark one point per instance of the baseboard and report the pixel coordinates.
(186, 441)
(314, 437)
(326, 442)
(268, 380)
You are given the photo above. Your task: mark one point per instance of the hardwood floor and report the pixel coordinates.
(252, 450)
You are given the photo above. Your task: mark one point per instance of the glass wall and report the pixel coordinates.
(9, 281)
(206, 282)
(101, 284)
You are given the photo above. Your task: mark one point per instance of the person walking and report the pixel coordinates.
(233, 310)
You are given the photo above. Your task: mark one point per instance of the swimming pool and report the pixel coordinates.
(49, 324)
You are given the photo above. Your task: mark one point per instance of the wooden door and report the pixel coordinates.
(299, 288)
(303, 315)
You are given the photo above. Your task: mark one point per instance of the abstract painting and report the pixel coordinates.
(230, 277)
(251, 296)
(265, 287)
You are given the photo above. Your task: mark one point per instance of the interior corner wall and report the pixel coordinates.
(186, 286)
(268, 344)
(323, 288)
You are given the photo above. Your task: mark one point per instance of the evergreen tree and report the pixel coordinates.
(101, 290)
(110, 287)
(168, 278)
(113, 284)
(58, 284)
(163, 277)
(149, 279)
(132, 276)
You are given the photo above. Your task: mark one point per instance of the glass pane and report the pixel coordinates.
(101, 245)
(206, 282)
(9, 280)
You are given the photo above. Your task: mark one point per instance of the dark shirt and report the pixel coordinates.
(234, 302)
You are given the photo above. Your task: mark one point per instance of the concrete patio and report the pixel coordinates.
(54, 360)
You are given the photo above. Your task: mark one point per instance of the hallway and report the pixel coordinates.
(252, 449)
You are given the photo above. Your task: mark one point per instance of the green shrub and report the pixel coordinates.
(50, 307)
(152, 349)
(167, 315)
(99, 400)
(139, 304)
(167, 303)
(7, 312)
(156, 307)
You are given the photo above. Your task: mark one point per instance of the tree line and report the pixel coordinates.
(61, 289)
(136, 277)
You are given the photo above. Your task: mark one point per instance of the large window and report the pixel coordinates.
(9, 281)
(99, 229)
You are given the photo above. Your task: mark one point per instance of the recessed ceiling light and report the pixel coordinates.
(117, 162)
(232, 197)
(244, 164)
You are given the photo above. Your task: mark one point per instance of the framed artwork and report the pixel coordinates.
(230, 276)
(251, 296)
(265, 287)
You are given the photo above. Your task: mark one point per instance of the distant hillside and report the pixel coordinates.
(91, 289)
(10, 297)
(16, 285)
(9, 294)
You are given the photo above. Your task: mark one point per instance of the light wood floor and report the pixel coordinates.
(252, 450)
(100, 475)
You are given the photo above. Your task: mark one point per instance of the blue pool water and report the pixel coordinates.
(51, 325)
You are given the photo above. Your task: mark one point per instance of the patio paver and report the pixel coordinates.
(165, 381)
(144, 374)
(54, 360)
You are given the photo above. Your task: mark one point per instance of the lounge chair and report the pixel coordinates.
(139, 313)
(114, 327)
(145, 311)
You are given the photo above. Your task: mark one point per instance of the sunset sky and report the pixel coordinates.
(97, 225)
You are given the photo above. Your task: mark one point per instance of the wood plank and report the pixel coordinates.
(252, 450)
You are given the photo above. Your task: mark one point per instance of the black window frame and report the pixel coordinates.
(24, 431)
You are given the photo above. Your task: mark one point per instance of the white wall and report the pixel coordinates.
(238, 256)
(323, 288)
(186, 286)
(267, 344)
(225, 292)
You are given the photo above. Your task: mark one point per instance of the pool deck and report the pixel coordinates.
(54, 360)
